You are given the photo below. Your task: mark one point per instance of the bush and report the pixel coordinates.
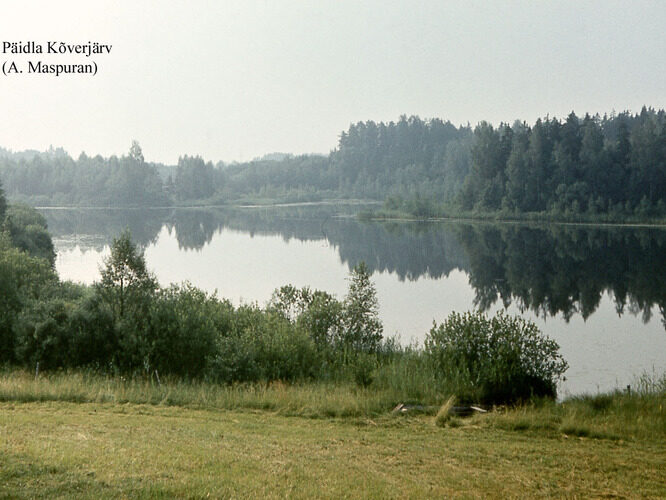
(316, 312)
(499, 360)
(364, 366)
(181, 331)
(29, 232)
(64, 331)
(23, 280)
(94, 337)
(43, 334)
(258, 345)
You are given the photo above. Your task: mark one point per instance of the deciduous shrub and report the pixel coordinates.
(260, 345)
(314, 311)
(180, 333)
(29, 232)
(503, 359)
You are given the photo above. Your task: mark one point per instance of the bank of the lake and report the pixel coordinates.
(434, 214)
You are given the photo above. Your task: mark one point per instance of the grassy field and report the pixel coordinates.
(66, 437)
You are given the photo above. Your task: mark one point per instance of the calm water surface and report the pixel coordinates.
(599, 291)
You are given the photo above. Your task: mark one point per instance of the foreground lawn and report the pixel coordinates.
(98, 450)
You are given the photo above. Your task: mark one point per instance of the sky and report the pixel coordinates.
(233, 80)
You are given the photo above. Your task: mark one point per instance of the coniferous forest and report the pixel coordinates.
(599, 168)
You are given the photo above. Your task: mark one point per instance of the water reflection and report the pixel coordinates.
(566, 269)
(544, 269)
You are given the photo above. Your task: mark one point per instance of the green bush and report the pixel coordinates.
(364, 367)
(42, 334)
(181, 330)
(316, 312)
(64, 331)
(496, 360)
(29, 232)
(24, 279)
(259, 345)
(94, 337)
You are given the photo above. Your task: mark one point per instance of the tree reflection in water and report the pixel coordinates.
(548, 269)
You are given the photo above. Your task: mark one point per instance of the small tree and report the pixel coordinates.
(317, 312)
(125, 280)
(136, 153)
(362, 328)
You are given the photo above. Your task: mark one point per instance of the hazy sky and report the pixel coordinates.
(234, 80)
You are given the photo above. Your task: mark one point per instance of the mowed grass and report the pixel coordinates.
(51, 450)
(72, 436)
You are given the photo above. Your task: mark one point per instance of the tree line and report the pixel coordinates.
(610, 165)
(613, 165)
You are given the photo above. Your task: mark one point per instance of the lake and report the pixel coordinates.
(599, 291)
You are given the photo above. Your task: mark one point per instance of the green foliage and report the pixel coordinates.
(182, 330)
(26, 269)
(43, 335)
(194, 179)
(347, 332)
(135, 152)
(126, 284)
(361, 326)
(3, 204)
(593, 169)
(590, 168)
(54, 178)
(347, 335)
(316, 312)
(364, 367)
(94, 336)
(23, 280)
(127, 323)
(260, 345)
(495, 360)
(29, 232)
(66, 327)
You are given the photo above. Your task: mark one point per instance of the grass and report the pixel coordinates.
(639, 415)
(308, 399)
(454, 212)
(94, 450)
(444, 414)
(87, 436)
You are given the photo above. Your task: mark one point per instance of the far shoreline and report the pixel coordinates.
(371, 216)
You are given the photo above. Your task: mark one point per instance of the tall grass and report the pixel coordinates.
(410, 374)
(636, 414)
(639, 414)
(310, 399)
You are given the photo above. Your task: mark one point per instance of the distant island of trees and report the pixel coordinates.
(591, 168)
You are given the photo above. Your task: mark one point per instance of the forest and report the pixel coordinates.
(595, 168)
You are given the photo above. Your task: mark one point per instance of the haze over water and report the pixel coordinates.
(599, 291)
